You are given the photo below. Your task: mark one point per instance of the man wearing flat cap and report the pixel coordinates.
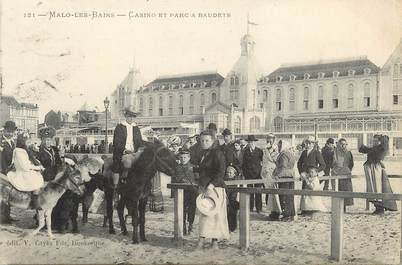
(127, 140)
(7, 146)
(252, 159)
(49, 155)
(227, 149)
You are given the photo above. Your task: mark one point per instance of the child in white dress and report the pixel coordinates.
(310, 204)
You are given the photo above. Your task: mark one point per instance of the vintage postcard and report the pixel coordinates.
(200, 132)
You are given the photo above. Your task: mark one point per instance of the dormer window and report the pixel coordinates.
(351, 72)
(292, 77)
(306, 76)
(278, 78)
(321, 75)
(335, 74)
(214, 83)
(266, 79)
(367, 71)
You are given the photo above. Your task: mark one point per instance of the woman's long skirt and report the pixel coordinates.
(377, 181)
(216, 226)
(346, 185)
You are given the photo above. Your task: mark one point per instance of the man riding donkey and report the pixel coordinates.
(127, 145)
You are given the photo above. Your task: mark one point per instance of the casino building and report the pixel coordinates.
(352, 98)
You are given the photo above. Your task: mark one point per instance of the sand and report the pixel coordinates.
(369, 239)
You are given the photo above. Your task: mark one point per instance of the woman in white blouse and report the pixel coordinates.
(26, 176)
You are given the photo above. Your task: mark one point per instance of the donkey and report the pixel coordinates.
(134, 190)
(67, 179)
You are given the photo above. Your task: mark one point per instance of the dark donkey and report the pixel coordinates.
(137, 187)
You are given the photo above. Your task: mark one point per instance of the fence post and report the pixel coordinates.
(337, 228)
(244, 220)
(178, 216)
(400, 250)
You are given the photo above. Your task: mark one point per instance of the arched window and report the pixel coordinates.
(237, 125)
(191, 104)
(350, 95)
(170, 104)
(141, 104)
(335, 92)
(292, 99)
(320, 97)
(306, 97)
(213, 97)
(254, 124)
(278, 99)
(150, 105)
(265, 95)
(278, 124)
(367, 94)
(181, 108)
(202, 102)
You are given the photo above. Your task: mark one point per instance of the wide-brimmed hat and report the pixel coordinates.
(207, 202)
(10, 126)
(270, 136)
(251, 138)
(130, 112)
(310, 139)
(226, 132)
(47, 132)
(184, 151)
(70, 159)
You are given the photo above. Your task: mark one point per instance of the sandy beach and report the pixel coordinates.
(368, 239)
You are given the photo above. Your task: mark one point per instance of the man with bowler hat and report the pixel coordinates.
(252, 159)
(7, 146)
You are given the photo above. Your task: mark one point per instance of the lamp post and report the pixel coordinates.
(106, 103)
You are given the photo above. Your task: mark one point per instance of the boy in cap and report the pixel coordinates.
(185, 174)
(48, 154)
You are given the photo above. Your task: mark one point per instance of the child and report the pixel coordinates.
(310, 204)
(185, 174)
(232, 173)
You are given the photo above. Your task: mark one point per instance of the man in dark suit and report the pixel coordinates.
(127, 140)
(252, 159)
(49, 155)
(310, 158)
(227, 149)
(7, 147)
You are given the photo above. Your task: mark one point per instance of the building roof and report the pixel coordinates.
(11, 101)
(326, 67)
(199, 79)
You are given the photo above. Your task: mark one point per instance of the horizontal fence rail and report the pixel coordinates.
(337, 204)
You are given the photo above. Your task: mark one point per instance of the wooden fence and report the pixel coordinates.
(337, 214)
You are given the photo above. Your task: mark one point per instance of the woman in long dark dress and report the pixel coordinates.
(212, 172)
(376, 176)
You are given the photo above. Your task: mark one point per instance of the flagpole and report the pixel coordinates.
(248, 24)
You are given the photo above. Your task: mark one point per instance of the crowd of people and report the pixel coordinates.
(206, 163)
(86, 148)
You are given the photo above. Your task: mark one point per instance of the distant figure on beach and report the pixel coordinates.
(376, 176)
(342, 166)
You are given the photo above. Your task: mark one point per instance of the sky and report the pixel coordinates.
(63, 62)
